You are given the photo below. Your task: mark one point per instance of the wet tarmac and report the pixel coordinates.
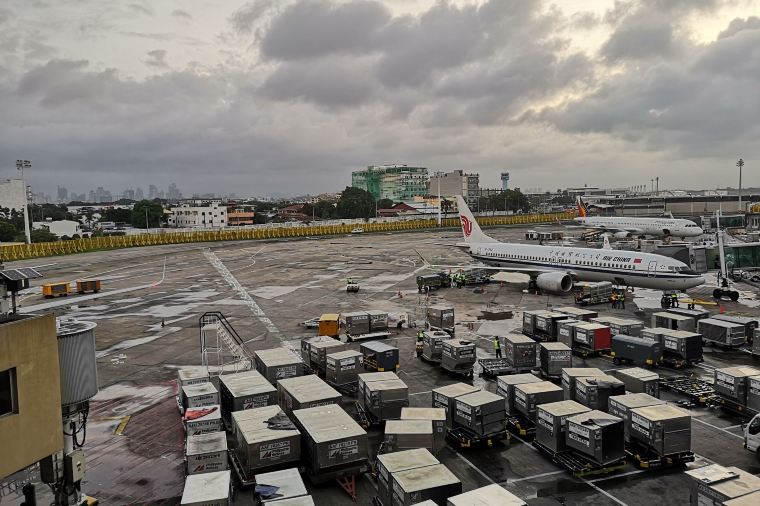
(148, 327)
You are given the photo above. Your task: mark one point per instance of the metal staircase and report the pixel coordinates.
(222, 348)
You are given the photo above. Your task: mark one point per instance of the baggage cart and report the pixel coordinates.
(494, 367)
(51, 290)
(390, 463)
(278, 363)
(379, 356)
(590, 293)
(750, 324)
(520, 352)
(437, 417)
(458, 357)
(672, 321)
(591, 339)
(245, 390)
(695, 389)
(570, 374)
(680, 348)
(444, 397)
(577, 313)
(554, 358)
(621, 406)
(714, 485)
(722, 333)
(413, 486)
(578, 464)
(432, 345)
(550, 423)
(305, 392)
(88, 285)
(343, 368)
(596, 435)
(329, 325)
(638, 380)
(635, 350)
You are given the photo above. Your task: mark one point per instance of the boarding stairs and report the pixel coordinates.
(222, 348)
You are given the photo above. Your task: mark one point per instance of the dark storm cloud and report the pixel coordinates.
(739, 24)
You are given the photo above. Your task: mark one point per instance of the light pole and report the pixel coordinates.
(146, 219)
(21, 165)
(438, 175)
(740, 164)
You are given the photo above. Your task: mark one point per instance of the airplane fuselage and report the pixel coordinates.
(657, 227)
(629, 268)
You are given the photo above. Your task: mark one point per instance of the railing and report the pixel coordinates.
(44, 249)
(234, 347)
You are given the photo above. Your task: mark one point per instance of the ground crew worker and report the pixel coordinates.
(613, 299)
(420, 335)
(622, 300)
(674, 298)
(350, 280)
(497, 347)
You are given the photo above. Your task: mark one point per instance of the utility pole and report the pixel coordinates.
(21, 165)
(657, 182)
(438, 175)
(740, 164)
(146, 218)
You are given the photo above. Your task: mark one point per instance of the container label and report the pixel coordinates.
(546, 420)
(639, 423)
(274, 450)
(579, 434)
(671, 343)
(258, 401)
(343, 449)
(463, 407)
(288, 371)
(520, 398)
(559, 355)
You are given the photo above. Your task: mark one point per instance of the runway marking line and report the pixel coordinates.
(695, 418)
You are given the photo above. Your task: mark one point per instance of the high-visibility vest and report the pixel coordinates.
(496, 344)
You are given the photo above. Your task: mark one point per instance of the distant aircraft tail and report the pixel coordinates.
(582, 209)
(470, 228)
(606, 242)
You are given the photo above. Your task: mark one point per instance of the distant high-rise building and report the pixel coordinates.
(129, 193)
(456, 183)
(505, 181)
(173, 193)
(139, 194)
(63, 194)
(152, 192)
(398, 183)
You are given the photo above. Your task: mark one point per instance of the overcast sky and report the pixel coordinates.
(290, 96)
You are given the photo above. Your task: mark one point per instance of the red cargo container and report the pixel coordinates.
(593, 336)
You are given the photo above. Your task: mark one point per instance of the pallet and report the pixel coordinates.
(579, 465)
(644, 459)
(716, 401)
(697, 390)
(349, 389)
(519, 426)
(467, 438)
(345, 476)
(467, 373)
(365, 337)
(366, 419)
(493, 367)
(245, 479)
(587, 352)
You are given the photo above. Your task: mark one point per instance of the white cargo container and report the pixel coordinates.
(207, 489)
(289, 483)
(200, 395)
(206, 453)
(491, 495)
(203, 420)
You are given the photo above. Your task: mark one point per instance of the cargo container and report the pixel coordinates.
(88, 285)
(505, 386)
(673, 321)
(530, 395)
(697, 314)
(751, 499)
(329, 325)
(753, 394)
(432, 345)
(289, 486)
(663, 429)
(50, 290)
(203, 420)
(592, 292)
(594, 391)
(207, 489)
(714, 485)
(655, 334)
(305, 392)
(390, 463)
(378, 320)
(443, 397)
(369, 377)
(304, 500)
(550, 423)
(380, 356)
(259, 447)
(200, 395)
(206, 453)
(490, 495)
(566, 331)
(319, 350)
(625, 326)
(190, 376)
(638, 380)
(408, 435)
(383, 400)
(481, 412)
(278, 363)
(356, 323)
(529, 321)
(722, 333)
(755, 351)
(434, 482)
(437, 417)
(441, 317)
(635, 350)
(593, 337)
(681, 347)
(732, 383)
(520, 351)
(554, 358)
(577, 313)
(547, 324)
(245, 390)
(598, 436)
(306, 348)
(569, 376)
(750, 324)
(343, 367)
(458, 355)
(621, 406)
(332, 441)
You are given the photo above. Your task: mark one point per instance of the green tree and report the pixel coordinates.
(355, 203)
(260, 218)
(118, 215)
(43, 235)
(7, 232)
(155, 212)
(512, 200)
(384, 204)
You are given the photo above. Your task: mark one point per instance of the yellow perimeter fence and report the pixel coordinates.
(45, 249)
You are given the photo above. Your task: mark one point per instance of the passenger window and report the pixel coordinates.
(754, 426)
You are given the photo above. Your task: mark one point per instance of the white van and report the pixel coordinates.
(752, 436)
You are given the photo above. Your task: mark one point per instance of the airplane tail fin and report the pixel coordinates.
(470, 228)
(582, 209)
(606, 242)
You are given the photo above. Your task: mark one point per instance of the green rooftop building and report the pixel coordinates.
(399, 183)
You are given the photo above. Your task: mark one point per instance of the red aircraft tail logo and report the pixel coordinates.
(582, 210)
(466, 225)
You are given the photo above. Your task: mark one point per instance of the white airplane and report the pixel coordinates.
(621, 227)
(555, 268)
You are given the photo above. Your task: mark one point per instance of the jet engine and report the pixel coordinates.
(556, 282)
(621, 235)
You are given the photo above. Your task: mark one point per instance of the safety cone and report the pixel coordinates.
(720, 309)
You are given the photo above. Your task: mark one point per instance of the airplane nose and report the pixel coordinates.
(698, 281)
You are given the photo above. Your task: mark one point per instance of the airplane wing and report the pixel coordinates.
(530, 271)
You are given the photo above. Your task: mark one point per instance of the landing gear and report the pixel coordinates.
(719, 293)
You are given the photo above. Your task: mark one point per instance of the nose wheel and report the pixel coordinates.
(719, 293)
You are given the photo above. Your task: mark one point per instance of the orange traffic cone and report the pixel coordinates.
(720, 309)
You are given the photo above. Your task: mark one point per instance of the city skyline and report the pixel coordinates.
(291, 96)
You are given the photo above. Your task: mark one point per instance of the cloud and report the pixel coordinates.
(738, 25)
(156, 58)
(182, 15)
(141, 9)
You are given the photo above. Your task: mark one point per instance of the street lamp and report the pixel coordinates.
(21, 165)
(438, 175)
(740, 164)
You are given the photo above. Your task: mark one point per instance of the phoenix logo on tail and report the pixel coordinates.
(582, 209)
(466, 226)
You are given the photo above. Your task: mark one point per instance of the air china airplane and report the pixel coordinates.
(555, 268)
(621, 227)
